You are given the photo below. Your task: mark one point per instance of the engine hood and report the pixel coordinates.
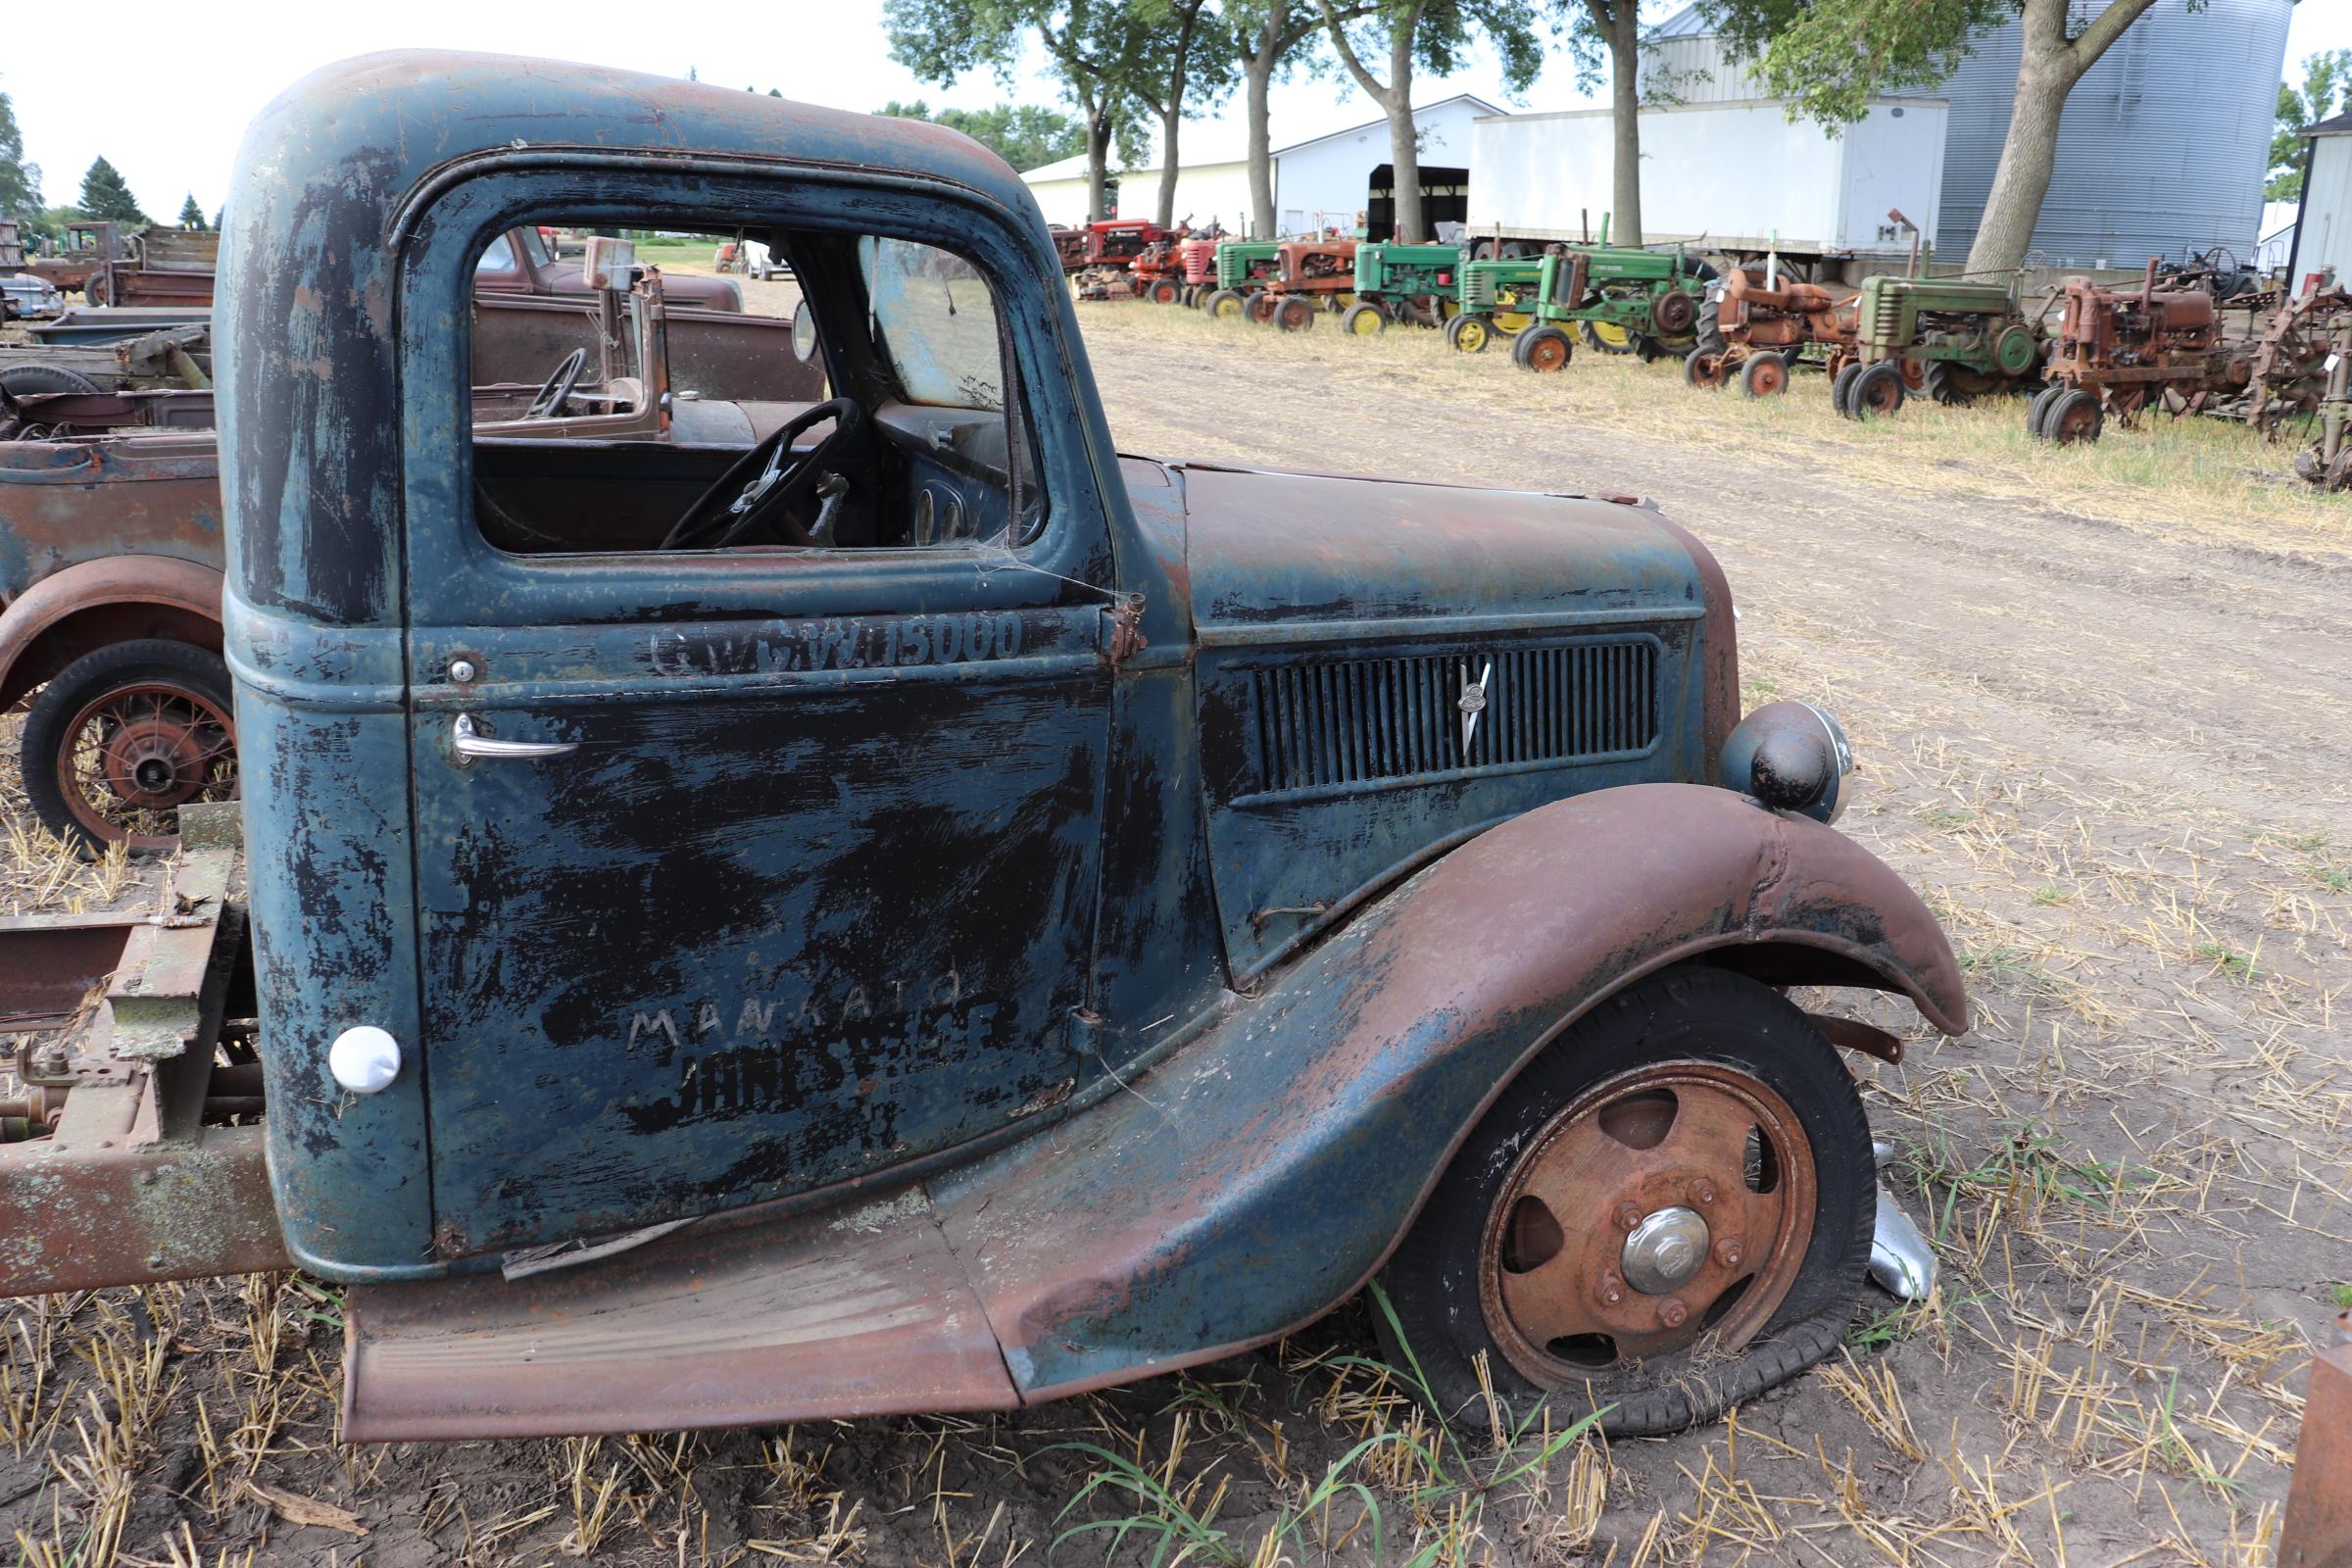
(1385, 670)
(1284, 556)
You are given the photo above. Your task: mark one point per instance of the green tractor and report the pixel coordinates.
(1619, 299)
(1244, 267)
(1952, 338)
(1403, 283)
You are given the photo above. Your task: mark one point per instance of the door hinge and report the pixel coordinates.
(1123, 637)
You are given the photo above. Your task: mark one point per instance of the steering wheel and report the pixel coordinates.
(556, 390)
(765, 480)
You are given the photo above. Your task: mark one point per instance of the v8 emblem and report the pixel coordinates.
(1472, 702)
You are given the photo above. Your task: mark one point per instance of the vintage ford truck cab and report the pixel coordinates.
(919, 910)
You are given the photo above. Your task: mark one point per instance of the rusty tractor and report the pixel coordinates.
(1107, 270)
(2287, 370)
(1245, 268)
(2115, 349)
(1760, 323)
(1311, 276)
(1158, 270)
(2328, 462)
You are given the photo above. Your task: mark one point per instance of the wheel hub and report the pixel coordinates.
(1668, 1203)
(1665, 1252)
(153, 763)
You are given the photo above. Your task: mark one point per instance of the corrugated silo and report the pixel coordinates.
(2164, 145)
(2162, 150)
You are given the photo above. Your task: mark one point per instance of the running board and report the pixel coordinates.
(841, 1314)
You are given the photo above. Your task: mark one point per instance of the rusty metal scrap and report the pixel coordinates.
(2317, 1530)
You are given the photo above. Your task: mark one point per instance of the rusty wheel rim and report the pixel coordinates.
(1589, 1258)
(1915, 374)
(1546, 353)
(134, 755)
(2074, 419)
(1879, 394)
(1709, 371)
(1767, 378)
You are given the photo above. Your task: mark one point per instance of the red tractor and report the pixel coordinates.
(1763, 325)
(1108, 269)
(1310, 274)
(2116, 348)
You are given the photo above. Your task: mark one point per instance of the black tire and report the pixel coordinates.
(1714, 1021)
(1363, 320)
(1876, 391)
(1764, 375)
(1469, 339)
(1841, 385)
(1704, 370)
(1943, 386)
(1296, 313)
(1225, 304)
(1709, 326)
(1543, 348)
(2074, 415)
(2039, 409)
(49, 727)
(37, 380)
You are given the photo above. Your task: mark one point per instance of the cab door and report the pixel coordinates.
(749, 872)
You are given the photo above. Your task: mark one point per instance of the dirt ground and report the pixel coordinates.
(2098, 699)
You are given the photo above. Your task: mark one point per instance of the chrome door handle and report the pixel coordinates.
(472, 743)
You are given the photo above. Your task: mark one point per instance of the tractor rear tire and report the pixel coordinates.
(1764, 375)
(1939, 383)
(1364, 320)
(1877, 392)
(1841, 385)
(1225, 304)
(1469, 334)
(2074, 417)
(1296, 313)
(1605, 337)
(1543, 348)
(1707, 368)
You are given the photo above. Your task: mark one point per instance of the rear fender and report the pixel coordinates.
(1263, 1171)
(91, 605)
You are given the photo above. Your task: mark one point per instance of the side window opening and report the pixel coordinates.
(748, 391)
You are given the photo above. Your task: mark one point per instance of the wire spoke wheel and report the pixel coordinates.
(1668, 1204)
(134, 755)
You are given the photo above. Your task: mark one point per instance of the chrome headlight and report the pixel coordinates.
(1793, 756)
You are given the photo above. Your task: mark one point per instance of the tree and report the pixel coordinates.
(1606, 35)
(104, 194)
(1186, 59)
(1267, 37)
(1432, 36)
(1024, 135)
(1827, 57)
(191, 215)
(2327, 90)
(1095, 46)
(19, 181)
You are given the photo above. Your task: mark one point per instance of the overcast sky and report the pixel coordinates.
(164, 91)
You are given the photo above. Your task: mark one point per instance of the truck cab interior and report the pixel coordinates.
(907, 440)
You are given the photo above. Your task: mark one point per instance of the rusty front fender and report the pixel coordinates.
(1266, 1169)
(94, 602)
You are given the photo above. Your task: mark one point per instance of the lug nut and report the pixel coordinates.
(1612, 1290)
(1727, 1251)
(1702, 1191)
(1671, 1312)
(1628, 1216)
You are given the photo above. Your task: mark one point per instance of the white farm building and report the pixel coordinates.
(1334, 180)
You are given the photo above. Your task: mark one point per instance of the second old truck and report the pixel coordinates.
(908, 908)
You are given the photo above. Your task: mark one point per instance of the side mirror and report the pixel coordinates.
(804, 331)
(609, 263)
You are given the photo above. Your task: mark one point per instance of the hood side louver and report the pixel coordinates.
(1328, 724)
